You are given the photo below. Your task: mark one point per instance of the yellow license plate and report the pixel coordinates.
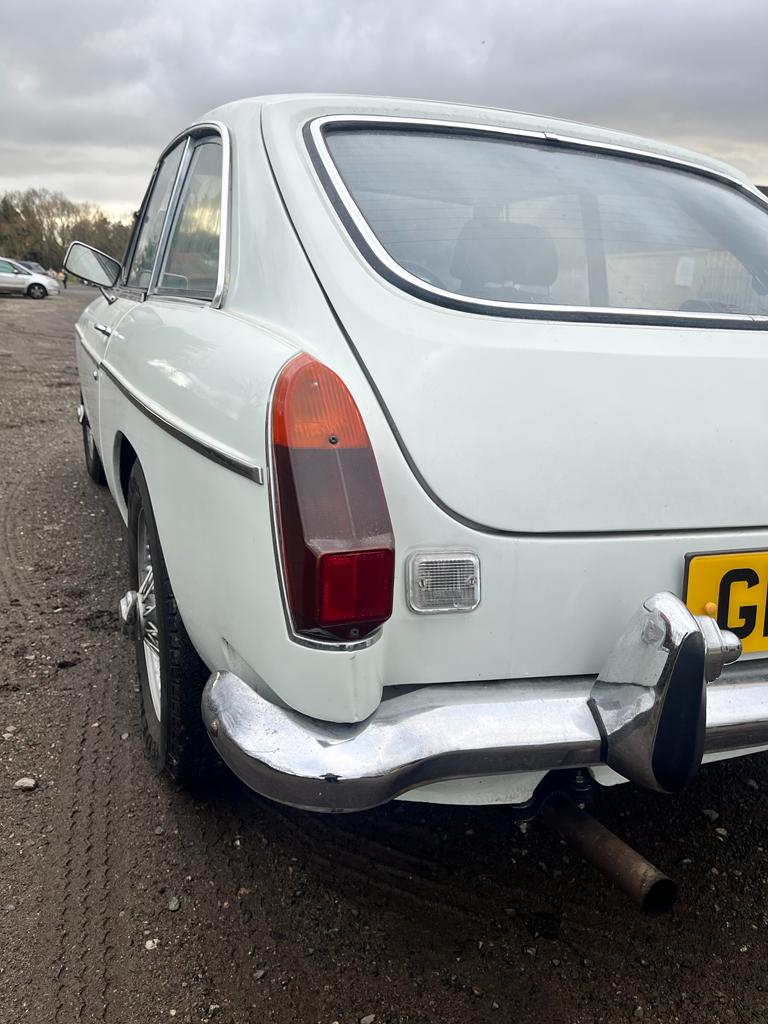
(732, 587)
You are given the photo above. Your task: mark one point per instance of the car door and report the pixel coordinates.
(102, 318)
(160, 355)
(9, 277)
(177, 276)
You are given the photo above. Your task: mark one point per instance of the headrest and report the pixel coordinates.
(492, 251)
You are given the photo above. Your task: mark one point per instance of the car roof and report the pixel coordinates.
(239, 116)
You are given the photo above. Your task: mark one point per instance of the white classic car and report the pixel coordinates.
(419, 419)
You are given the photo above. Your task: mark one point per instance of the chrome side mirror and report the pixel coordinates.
(93, 266)
(649, 701)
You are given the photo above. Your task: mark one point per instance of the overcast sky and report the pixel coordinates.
(91, 90)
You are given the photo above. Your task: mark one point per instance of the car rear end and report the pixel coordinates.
(555, 345)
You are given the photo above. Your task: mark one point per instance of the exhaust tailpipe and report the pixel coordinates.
(651, 890)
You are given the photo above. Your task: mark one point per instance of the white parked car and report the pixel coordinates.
(15, 278)
(437, 432)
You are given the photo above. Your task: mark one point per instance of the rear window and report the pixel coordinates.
(539, 223)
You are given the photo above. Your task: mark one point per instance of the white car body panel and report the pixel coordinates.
(571, 536)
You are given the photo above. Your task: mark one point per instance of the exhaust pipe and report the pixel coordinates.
(651, 890)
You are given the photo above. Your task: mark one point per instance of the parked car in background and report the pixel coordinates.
(408, 410)
(17, 278)
(37, 268)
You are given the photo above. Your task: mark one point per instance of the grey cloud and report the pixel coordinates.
(90, 93)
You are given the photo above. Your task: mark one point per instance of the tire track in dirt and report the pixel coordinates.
(90, 850)
(12, 594)
(66, 904)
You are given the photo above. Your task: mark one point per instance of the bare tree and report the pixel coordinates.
(40, 224)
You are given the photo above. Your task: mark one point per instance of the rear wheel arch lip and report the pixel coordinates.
(124, 458)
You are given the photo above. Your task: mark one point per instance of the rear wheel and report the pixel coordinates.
(37, 291)
(171, 673)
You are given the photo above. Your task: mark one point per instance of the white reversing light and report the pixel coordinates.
(442, 581)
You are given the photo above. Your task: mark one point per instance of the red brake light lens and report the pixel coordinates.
(336, 538)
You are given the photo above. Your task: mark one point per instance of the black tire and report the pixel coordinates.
(93, 461)
(37, 291)
(176, 742)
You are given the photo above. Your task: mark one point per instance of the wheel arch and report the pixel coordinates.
(125, 456)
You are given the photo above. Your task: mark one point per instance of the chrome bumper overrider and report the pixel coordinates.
(651, 714)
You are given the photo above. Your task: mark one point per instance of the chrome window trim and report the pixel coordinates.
(186, 299)
(130, 251)
(355, 224)
(170, 213)
(227, 459)
(196, 131)
(315, 643)
(134, 294)
(173, 211)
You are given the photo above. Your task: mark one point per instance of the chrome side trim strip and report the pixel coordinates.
(235, 463)
(359, 230)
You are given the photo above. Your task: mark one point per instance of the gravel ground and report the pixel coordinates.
(124, 900)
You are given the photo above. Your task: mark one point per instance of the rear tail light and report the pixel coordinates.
(337, 547)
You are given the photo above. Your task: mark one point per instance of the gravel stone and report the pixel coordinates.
(25, 783)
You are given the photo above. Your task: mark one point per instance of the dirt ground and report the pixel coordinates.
(124, 900)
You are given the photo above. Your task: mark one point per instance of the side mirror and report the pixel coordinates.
(92, 266)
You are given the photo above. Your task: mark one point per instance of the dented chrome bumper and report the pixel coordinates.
(651, 714)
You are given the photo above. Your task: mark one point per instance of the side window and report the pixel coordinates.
(191, 264)
(151, 225)
(6, 268)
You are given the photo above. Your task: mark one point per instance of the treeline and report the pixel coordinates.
(38, 224)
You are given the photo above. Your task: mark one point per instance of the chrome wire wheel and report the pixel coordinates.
(147, 614)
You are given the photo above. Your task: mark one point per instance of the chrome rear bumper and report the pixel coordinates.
(651, 703)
